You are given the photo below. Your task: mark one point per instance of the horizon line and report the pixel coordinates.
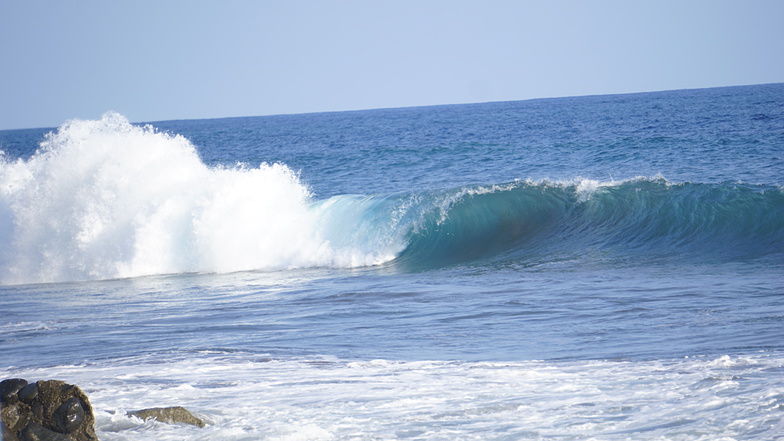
(315, 112)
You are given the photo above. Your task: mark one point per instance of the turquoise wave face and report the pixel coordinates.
(545, 222)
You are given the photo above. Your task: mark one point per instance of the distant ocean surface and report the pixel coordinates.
(601, 267)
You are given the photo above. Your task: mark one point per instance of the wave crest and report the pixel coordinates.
(105, 199)
(642, 218)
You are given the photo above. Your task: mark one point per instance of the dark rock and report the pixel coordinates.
(37, 432)
(7, 434)
(68, 417)
(9, 388)
(53, 394)
(12, 418)
(39, 411)
(56, 411)
(169, 415)
(28, 393)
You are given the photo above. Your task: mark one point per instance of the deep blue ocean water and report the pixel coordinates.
(602, 267)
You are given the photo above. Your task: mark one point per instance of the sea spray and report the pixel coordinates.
(105, 198)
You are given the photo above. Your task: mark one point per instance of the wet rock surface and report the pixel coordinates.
(53, 410)
(68, 417)
(28, 393)
(169, 415)
(10, 388)
(45, 411)
(37, 432)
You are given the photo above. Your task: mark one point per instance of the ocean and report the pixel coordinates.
(585, 268)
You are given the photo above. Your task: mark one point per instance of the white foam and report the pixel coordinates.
(245, 397)
(104, 199)
(586, 188)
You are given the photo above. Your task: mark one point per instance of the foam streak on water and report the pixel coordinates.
(731, 398)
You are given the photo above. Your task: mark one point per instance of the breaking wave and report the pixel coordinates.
(106, 199)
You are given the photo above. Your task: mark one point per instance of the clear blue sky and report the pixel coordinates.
(176, 59)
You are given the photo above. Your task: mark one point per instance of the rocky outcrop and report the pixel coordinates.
(45, 411)
(169, 415)
(55, 411)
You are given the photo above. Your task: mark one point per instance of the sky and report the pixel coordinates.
(176, 59)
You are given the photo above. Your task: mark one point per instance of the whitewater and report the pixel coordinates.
(606, 267)
(126, 201)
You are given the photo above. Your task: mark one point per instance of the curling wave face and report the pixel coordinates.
(643, 218)
(106, 199)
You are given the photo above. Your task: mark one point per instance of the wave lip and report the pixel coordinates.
(645, 218)
(729, 220)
